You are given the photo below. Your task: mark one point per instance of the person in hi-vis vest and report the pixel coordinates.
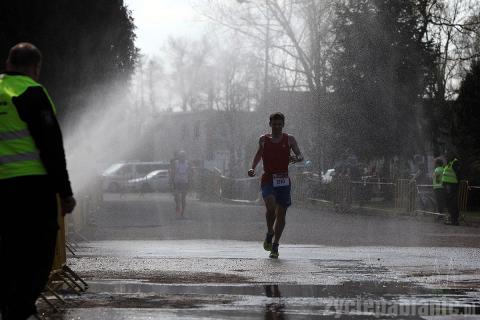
(32, 173)
(450, 179)
(438, 185)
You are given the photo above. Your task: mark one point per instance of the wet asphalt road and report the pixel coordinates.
(143, 263)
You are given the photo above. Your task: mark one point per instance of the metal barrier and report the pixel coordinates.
(373, 193)
(405, 195)
(463, 189)
(208, 186)
(240, 190)
(300, 187)
(61, 274)
(342, 193)
(474, 197)
(88, 202)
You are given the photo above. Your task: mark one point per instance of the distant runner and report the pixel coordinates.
(180, 175)
(274, 149)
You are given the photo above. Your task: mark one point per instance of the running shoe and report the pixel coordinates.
(267, 244)
(274, 253)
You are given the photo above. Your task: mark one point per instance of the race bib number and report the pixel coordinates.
(280, 180)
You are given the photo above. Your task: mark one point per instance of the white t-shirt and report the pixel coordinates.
(181, 172)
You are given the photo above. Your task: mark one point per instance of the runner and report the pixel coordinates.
(180, 175)
(274, 149)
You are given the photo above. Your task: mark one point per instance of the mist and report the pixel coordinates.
(164, 106)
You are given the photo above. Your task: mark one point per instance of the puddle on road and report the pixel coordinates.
(345, 290)
(350, 300)
(166, 277)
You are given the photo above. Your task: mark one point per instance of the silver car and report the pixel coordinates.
(157, 180)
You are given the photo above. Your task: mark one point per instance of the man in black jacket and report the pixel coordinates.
(450, 180)
(32, 173)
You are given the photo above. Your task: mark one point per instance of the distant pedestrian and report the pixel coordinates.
(450, 180)
(438, 185)
(180, 175)
(32, 172)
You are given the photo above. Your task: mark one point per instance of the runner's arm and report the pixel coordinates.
(258, 155)
(294, 146)
(257, 158)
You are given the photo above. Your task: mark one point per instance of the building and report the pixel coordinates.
(223, 140)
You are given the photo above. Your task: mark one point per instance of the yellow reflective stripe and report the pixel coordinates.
(19, 157)
(449, 174)
(21, 145)
(12, 135)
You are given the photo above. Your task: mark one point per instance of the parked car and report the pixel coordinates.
(157, 180)
(115, 178)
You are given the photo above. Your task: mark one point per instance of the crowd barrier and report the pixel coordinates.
(88, 202)
(463, 195)
(404, 195)
(342, 193)
(208, 185)
(240, 190)
(61, 274)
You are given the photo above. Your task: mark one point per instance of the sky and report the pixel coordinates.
(156, 20)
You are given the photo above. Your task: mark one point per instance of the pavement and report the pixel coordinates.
(143, 263)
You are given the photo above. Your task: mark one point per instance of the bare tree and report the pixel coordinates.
(297, 34)
(453, 27)
(188, 59)
(295, 42)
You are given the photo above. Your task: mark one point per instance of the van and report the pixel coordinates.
(115, 178)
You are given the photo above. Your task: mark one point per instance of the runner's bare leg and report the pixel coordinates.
(184, 202)
(177, 202)
(279, 223)
(271, 206)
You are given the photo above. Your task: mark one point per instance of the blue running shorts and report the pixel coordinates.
(282, 194)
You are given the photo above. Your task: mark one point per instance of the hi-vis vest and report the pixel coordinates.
(19, 155)
(437, 178)
(449, 175)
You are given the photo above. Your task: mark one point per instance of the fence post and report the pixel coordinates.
(412, 197)
(463, 195)
(400, 194)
